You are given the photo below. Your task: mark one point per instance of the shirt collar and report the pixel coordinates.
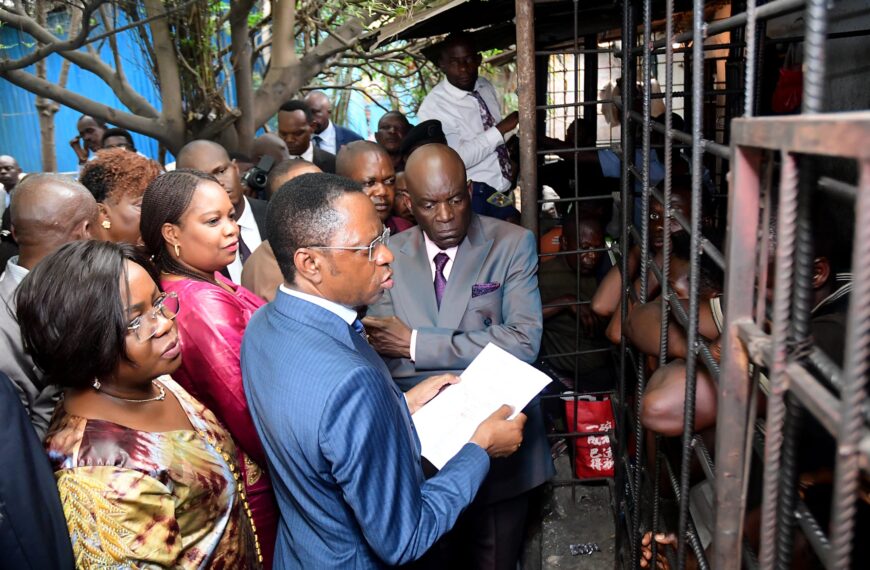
(309, 153)
(329, 132)
(458, 93)
(346, 314)
(247, 220)
(15, 271)
(432, 250)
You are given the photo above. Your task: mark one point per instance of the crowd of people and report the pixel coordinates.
(219, 363)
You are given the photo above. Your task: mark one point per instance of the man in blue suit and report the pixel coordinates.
(342, 449)
(327, 135)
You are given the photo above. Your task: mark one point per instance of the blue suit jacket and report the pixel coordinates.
(343, 453)
(344, 136)
(33, 531)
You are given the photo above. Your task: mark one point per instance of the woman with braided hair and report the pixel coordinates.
(188, 227)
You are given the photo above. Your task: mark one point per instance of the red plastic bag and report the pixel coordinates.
(790, 88)
(594, 456)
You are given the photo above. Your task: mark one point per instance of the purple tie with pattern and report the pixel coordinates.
(488, 122)
(440, 281)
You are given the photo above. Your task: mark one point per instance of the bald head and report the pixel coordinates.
(439, 193)
(48, 211)
(9, 172)
(352, 153)
(321, 108)
(196, 153)
(270, 144)
(433, 165)
(287, 170)
(212, 158)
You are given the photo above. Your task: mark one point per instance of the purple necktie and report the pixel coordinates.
(489, 122)
(440, 281)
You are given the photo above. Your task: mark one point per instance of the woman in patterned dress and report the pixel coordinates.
(146, 474)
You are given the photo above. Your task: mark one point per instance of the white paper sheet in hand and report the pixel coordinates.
(494, 378)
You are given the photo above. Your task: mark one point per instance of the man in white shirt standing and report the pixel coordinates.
(212, 158)
(467, 106)
(327, 135)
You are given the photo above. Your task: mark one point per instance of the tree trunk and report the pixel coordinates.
(45, 108)
(241, 59)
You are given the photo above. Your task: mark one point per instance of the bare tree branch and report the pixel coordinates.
(147, 126)
(50, 43)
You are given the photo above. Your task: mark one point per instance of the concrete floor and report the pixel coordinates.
(587, 518)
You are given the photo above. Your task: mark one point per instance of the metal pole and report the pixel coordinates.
(525, 21)
(698, 27)
(785, 237)
(854, 395)
(626, 203)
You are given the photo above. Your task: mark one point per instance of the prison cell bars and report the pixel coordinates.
(528, 116)
(729, 514)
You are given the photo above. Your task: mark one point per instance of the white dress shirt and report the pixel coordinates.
(459, 113)
(431, 251)
(308, 154)
(327, 139)
(14, 271)
(251, 234)
(346, 314)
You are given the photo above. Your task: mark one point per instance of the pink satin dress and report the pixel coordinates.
(211, 322)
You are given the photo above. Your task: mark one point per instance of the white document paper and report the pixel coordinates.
(494, 378)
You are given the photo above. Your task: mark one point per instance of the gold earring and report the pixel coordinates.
(177, 250)
(107, 224)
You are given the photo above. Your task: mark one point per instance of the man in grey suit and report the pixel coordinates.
(47, 212)
(461, 282)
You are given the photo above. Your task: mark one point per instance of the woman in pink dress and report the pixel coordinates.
(188, 226)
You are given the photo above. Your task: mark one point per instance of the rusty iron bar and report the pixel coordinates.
(666, 245)
(776, 411)
(764, 12)
(575, 199)
(626, 203)
(525, 22)
(714, 148)
(815, 18)
(734, 388)
(706, 245)
(750, 65)
(698, 26)
(838, 188)
(691, 535)
(838, 135)
(854, 394)
(629, 158)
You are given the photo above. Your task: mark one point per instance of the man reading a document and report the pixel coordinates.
(463, 281)
(342, 450)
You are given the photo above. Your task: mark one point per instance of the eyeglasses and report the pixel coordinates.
(383, 239)
(145, 326)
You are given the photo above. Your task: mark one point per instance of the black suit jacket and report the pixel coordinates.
(323, 160)
(33, 532)
(258, 208)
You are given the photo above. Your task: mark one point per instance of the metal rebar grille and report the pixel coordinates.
(758, 173)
